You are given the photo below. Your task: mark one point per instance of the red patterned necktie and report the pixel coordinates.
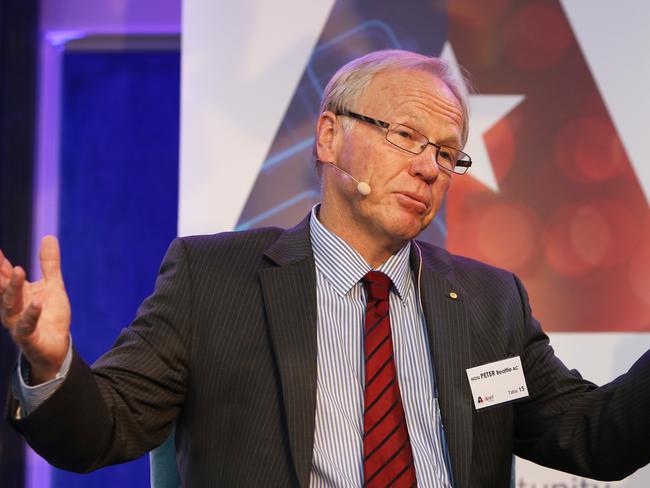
(388, 459)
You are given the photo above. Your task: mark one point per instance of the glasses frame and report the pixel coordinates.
(461, 165)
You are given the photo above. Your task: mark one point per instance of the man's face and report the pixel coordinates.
(407, 189)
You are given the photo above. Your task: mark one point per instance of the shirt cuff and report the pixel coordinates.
(31, 397)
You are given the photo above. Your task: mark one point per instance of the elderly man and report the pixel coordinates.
(334, 353)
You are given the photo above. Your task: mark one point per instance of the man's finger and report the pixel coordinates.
(5, 266)
(50, 258)
(12, 298)
(28, 320)
(4, 283)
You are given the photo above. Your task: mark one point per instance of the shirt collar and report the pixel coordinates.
(343, 267)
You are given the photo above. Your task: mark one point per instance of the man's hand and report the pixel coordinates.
(37, 315)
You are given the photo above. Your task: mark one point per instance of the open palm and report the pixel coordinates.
(37, 315)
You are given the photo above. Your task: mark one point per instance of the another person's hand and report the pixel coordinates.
(37, 315)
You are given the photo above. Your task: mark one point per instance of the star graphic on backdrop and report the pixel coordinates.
(485, 111)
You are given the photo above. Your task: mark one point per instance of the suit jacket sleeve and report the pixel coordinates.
(572, 425)
(125, 405)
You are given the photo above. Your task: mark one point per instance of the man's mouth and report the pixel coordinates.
(415, 201)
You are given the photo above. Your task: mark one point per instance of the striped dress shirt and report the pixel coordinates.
(341, 297)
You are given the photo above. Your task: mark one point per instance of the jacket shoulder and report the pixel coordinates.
(237, 251)
(468, 271)
(236, 241)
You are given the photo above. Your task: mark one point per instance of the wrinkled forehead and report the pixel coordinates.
(407, 84)
(410, 90)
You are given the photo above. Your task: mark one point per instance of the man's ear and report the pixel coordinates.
(328, 133)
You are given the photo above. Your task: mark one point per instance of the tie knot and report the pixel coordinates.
(377, 284)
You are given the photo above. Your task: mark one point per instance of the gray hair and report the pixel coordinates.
(351, 80)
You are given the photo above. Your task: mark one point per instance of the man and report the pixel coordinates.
(261, 349)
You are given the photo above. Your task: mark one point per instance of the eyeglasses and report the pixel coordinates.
(413, 141)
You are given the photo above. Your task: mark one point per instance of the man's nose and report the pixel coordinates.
(424, 165)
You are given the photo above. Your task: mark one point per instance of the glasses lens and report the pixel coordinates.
(406, 138)
(415, 142)
(463, 163)
(447, 157)
(453, 159)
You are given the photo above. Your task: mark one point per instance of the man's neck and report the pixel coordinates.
(374, 250)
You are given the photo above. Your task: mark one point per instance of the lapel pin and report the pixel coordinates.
(453, 295)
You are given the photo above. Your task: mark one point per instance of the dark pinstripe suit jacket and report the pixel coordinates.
(225, 349)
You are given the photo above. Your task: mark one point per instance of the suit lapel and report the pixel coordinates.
(449, 336)
(289, 293)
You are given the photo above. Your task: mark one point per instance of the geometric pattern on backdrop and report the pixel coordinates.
(567, 213)
(570, 216)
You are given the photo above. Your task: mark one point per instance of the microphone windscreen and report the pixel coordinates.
(363, 188)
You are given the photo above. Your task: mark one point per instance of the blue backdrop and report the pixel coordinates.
(118, 204)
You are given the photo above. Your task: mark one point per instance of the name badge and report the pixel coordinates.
(497, 382)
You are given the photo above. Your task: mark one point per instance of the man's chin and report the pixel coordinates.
(414, 223)
(401, 225)
(409, 230)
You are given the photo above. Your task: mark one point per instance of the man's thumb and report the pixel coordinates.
(50, 258)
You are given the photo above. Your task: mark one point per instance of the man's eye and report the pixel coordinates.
(405, 134)
(447, 154)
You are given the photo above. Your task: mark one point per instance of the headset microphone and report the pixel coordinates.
(362, 186)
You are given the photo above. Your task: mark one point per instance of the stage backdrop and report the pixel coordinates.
(558, 192)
